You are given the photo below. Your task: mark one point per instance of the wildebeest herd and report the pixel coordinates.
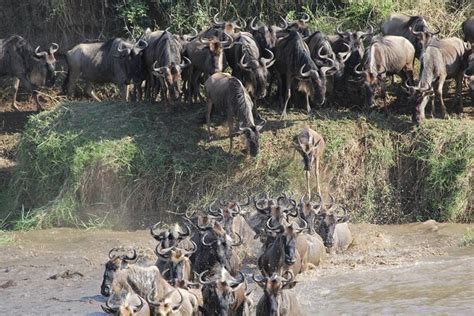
(196, 268)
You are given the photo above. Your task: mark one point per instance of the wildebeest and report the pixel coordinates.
(293, 61)
(173, 236)
(223, 294)
(166, 306)
(469, 75)
(207, 58)
(113, 61)
(118, 261)
(227, 93)
(468, 30)
(220, 28)
(275, 299)
(441, 60)
(386, 56)
(30, 67)
(249, 65)
(163, 60)
(310, 145)
(404, 25)
(300, 25)
(265, 36)
(179, 264)
(131, 304)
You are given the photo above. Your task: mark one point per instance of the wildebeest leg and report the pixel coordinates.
(37, 101)
(459, 107)
(287, 94)
(308, 187)
(16, 85)
(439, 93)
(317, 175)
(90, 92)
(308, 106)
(230, 123)
(208, 117)
(123, 91)
(148, 86)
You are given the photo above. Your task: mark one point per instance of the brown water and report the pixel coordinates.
(404, 269)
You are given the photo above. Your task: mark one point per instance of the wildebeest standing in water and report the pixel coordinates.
(114, 61)
(228, 93)
(30, 67)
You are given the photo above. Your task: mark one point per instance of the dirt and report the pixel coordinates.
(59, 271)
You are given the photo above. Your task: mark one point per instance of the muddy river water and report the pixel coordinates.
(398, 269)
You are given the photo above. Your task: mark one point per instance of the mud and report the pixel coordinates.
(413, 269)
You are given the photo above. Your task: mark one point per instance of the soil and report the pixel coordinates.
(59, 271)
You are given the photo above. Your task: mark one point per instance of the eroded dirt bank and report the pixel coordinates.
(415, 268)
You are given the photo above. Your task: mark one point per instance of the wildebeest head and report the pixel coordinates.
(227, 211)
(307, 148)
(214, 58)
(418, 96)
(423, 38)
(220, 244)
(166, 306)
(114, 264)
(264, 35)
(317, 79)
(354, 40)
(131, 57)
(309, 210)
(369, 79)
(126, 306)
(45, 74)
(178, 259)
(252, 136)
(219, 291)
(326, 56)
(272, 287)
(327, 219)
(299, 25)
(170, 237)
(286, 237)
(257, 72)
(226, 26)
(171, 75)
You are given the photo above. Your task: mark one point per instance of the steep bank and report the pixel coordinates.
(102, 164)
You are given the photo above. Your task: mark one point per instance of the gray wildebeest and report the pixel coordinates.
(293, 61)
(249, 65)
(207, 58)
(163, 60)
(404, 25)
(228, 94)
(469, 75)
(310, 145)
(468, 30)
(276, 300)
(30, 67)
(386, 56)
(114, 61)
(265, 36)
(178, 263)
(128, 305)
(441, 60)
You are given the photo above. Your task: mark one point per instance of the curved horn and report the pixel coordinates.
(304, 74)
(237, 243)
(38, 53)
(338, 30)
(237, 281)
(139, 307)
(203, 240)
(216, 20)
(163, 252)
(299, 228)
(438, 30)
(246, 203)
(131, 259)
(151, 299)
(237, 26)
(112, 250)
(158, 69)
(306, 19)
(272, 227)
(290, 277)
(142, 44)
(344, 56)
(185, 64)
(326, 56)
(229, 42)
(186, 234)
(414, 32)
(268, 62)
(201, 280)
(108, 308)
(285, 23)
(252, 24)
(360, 73)
(53, 48)
(242, 64)
(260, 280)
(190, 252)
(178, 306)
(260, 209)
(152, 231)
(325, 69)
(368, 32)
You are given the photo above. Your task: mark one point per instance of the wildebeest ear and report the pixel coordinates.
(289, 285)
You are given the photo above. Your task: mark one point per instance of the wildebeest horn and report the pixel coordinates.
(178, 306)
(142, 44)
(278, 227)
(238, 281)
(185, 64)
(227, 43)
(326, 56)
(438, 30)
(159, 70)
(203, 240)
(39, 54)
(306, 19)
(380, 73)
(415, 32)
(332, 202)
(260, 209)
(203, 40)
(53, 48)
(246, 203)
(338, 30)
(252, 26)
(325, 69)
(152, 231)
(201, 280)
(369, 32)
(360, 73)
(187, 233)
(108, 308)
(237, 26)
(111, 251)
(137, 308)
(216, 20)
(261, 125)
(258, 280)
(465, 75)
(299, 228)
(290, 277)
(285, 23)
(190, 252)
(165, 253)
(345, 55)
(304, 74)
(223, 202)
(131, 259)
(241, 62)
(238, 243)
(268, 62)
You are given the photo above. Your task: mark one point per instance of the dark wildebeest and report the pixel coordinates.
(276, 300)
(220, 28)
(265, 36)
(386, 56)
(293, 61)
(334, 230)
(223, 294)
(310, 145)
(114, 61)
(207, 58)
(468, 30)
(30, 67)
(299, 25)
(179, 265)
(404, 25)
(248, 64)
(228, 94)
(163, 60)
(144, 257)
(441, 60)
(469, 75)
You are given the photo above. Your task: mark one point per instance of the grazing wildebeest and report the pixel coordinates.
(292, 58)
(30, 67)
(227, 93)
(275, 299)
(468, 30)
(207, 58)
(441, 60)
(114, 61)
(144, 257)
(404, 25)
(223, 294)
(386, 56)
(310, 145)
(131, 304)
(163, 60)
(249, 65)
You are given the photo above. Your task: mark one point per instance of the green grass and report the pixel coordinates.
(468, 238)
(6, 238)
(113, 164)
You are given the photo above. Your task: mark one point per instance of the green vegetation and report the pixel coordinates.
(468, 238)
(116, 164)
(6, 238)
